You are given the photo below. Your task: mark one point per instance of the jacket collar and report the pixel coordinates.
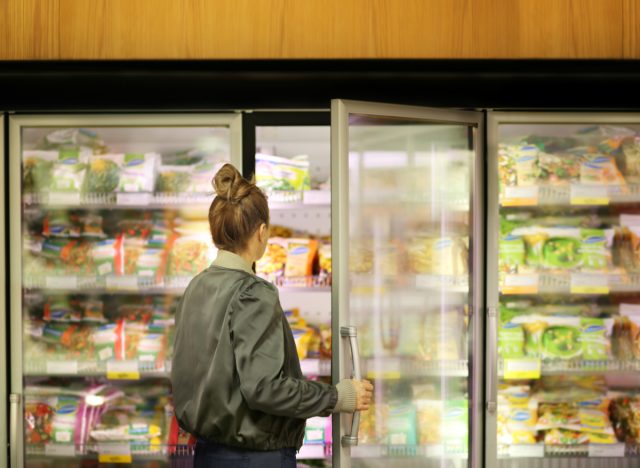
(226, 259)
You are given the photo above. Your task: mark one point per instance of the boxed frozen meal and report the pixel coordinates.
(301, 255)
(439, 255)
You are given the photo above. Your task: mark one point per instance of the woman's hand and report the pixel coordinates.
(364, 392)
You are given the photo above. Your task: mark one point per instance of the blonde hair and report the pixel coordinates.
(237, 211)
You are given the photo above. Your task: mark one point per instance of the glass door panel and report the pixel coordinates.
(108, 225)
(564, 290)
(407, 233)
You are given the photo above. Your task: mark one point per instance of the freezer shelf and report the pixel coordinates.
(169, 285)
(395, 368)
(570, 195)
(127, 201)
(540, 450)
(570, 283)
(134, 370)
(392, 451)
(140, 453)
(571, 367)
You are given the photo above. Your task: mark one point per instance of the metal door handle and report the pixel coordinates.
(13, 430)
(492, 358)
(352, 333)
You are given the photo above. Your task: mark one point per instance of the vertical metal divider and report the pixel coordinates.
(4, 400)
(339, 248)
(478, 295)
(492, 294)
(235, 130)
(15, 292)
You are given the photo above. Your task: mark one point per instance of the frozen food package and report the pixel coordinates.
(103, 175)
(439, 255)
(595, 249)
(631, 151)
(107, 257)
(274, 173)
(324, 258)
(192, 178)
(507, 166)
(429, 415)
(61, 224)
(55, 419)
(92, 226)
(443, 336)
(79, 139)
(69, 255)
(511, 340)
(190, 254)
(68, 172)
(455, 426)
(511, 253)
(561, 339)
(600, 170)
(273, 261)
(558, 168)
(301, 255)
(595, 338)
(360, 257)
(526, 162)
(61, 309)
(37, 167)
(402, 424)
(314, 431)
(137, 173)
(109, 341)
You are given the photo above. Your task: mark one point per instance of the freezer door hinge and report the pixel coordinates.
(491, 407)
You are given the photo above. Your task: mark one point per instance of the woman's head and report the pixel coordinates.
(238, 212)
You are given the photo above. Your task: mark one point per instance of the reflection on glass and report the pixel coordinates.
(568, 289)
(409, 241)
(114, 226)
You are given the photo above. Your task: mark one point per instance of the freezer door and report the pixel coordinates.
(3, 318)
(107, 226)
(407, 242)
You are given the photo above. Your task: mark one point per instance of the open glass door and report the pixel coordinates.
(408, 280)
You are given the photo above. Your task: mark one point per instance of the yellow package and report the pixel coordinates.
(301, 254)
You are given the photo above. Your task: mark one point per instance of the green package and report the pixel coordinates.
(512, 252)
(510, 340)
(455, 426)
(402, 425)
(68, 172)
(594, 340)
(593, 249)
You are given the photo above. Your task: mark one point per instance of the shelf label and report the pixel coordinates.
(114, 453)
(59, 450)
(61, 282)
(62, 367)
(526, 450)
(520, 284)
(123, 370)
(133, 198)
(522, 368)
(606, 450)
(122, 282)
(589, 194)
(64, 198)
(583, 283)
(520, 196)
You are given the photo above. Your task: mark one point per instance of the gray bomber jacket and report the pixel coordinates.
(236, 378)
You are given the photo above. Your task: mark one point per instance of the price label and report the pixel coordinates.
(606, 450)
(520, 196)
(582, 283)
(114, 453)
(520, 284)
(522, 368)
(589, 195)
(123, 370)
(526, 450)
(133, 199)
(64, 198)
(125, 282)
(60, 450)
(61, 282)
(62, 367)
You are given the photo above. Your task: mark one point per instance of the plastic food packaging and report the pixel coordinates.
(107, 256)
(439, 255)
(36, 170)
(103, 174)
(68, 172)
(274, 173)
(137, 173)
(273, 261)
(429, 415)
(301, 254)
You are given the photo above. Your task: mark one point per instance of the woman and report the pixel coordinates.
(237, 383)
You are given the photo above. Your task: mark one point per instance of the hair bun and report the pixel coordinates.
(230, 185)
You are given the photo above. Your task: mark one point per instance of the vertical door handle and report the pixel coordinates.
(352, 334)
(14, 452)
(492, 359)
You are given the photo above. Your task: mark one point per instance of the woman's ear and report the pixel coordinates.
(263, 232)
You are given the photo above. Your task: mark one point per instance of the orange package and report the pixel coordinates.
(301, 255)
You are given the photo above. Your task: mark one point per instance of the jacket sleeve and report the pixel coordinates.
(257, 333)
